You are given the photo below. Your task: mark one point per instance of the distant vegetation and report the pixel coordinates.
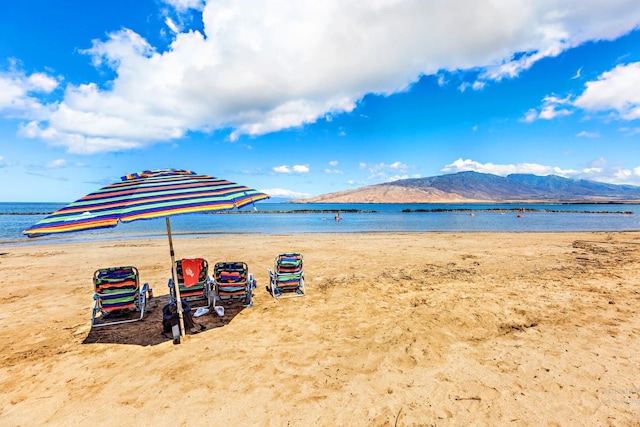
(516, 210)
(299, 211)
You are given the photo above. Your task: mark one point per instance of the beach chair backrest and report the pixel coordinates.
(197, 289)
(232, 280)
(202, 276)
(287, 277)
(116, 288)
(231, 272)
(288, 263)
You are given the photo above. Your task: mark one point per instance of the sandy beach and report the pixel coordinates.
(396, 329)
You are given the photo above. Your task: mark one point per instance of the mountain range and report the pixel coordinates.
(467, 187)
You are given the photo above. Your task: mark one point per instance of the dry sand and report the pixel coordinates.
(396, 329)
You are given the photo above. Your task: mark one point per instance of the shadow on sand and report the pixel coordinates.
(148, 331)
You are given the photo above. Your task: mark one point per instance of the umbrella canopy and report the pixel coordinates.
(147, 195)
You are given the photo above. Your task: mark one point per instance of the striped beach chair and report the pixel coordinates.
(118, 296)
(287, 277)
(233, 282)
(194, 282)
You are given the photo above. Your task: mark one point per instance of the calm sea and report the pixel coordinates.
(285, 218)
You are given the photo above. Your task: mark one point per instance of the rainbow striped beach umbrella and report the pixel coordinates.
(147, 195)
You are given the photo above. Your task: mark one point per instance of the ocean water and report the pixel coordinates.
(285, 218)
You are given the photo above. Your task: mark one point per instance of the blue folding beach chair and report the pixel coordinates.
(194, 282)
(118, 296)
(287, 277)
(233, 282)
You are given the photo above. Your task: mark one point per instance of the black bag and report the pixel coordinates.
(170, 316)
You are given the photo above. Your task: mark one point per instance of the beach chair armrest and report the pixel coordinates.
(170, 284)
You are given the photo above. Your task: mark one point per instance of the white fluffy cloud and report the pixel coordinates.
(263, 66)
(301, 168)
(184, 5)
(19, 94)
(284, 193)
(552, 107)
(598, 170)
(291, 169)
(383, 172)
(332, 169)
(588, 134)
(616, 90)
(503, 170)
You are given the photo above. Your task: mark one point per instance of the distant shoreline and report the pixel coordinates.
(476, 202)
(515, 210)
(422, 210)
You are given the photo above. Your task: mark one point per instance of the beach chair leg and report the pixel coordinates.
(142, 302)
(251, 285)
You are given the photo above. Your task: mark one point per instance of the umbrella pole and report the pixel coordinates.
(175, 278)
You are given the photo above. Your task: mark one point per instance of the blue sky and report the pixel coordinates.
(302, 98)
